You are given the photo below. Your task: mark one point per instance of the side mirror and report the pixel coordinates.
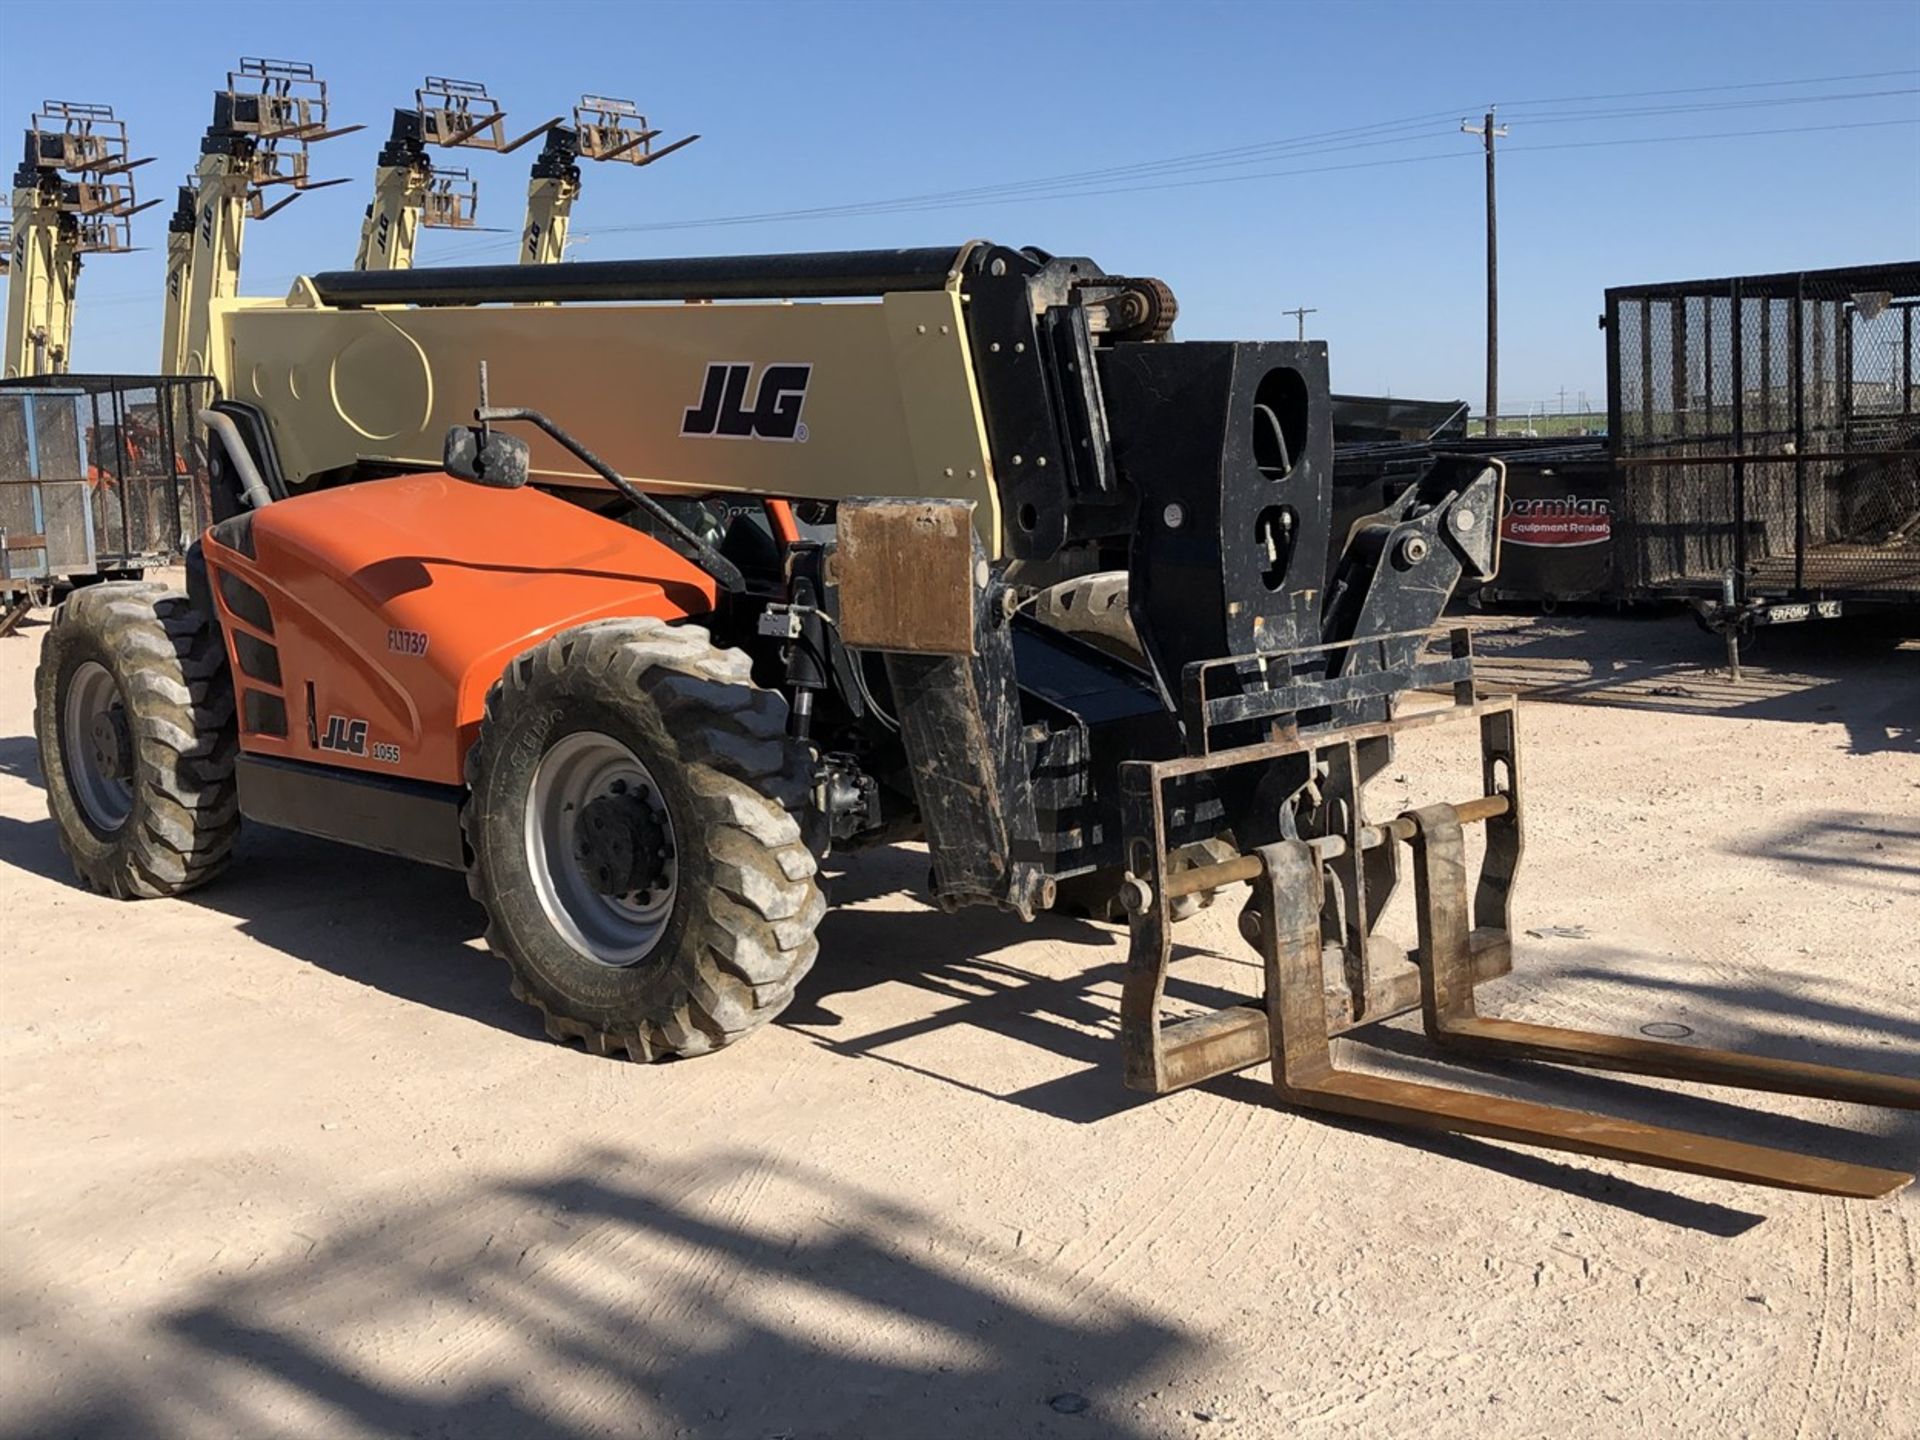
(498, 460)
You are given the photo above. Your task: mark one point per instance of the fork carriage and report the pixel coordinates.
(1327, 970)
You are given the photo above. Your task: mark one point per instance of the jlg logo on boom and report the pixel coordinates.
(723, 411)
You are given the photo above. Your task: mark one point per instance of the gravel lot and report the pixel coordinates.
(285, 1158)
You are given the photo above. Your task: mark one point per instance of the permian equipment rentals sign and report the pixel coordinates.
(1557, 530)
(1556, 521)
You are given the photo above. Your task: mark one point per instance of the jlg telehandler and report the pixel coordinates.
(977, 554)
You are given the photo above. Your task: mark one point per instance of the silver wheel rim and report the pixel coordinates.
(105, 799)
(615, 931)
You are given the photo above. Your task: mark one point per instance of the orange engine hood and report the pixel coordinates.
(399, 602)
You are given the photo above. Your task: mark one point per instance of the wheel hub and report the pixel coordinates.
(600, 846)
(96, 748)
(620, 842)
(110, 743)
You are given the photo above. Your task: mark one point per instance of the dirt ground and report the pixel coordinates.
(285, 1159)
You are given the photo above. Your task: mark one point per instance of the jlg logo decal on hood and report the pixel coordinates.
(349, 737)
(723, 412)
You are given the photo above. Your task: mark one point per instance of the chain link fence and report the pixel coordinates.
(1766, 434)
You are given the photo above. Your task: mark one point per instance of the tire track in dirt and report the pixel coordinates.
(1224, 1124)
(1822, 1328)
(1844, 1270)
(1296, 1150)
(1890, 1318)
(1905, 1382)
(1873, 1400)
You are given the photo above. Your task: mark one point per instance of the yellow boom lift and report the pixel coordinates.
(410, 191)
(173, 325)
(263, 124)
(72, 196)
(603, 129)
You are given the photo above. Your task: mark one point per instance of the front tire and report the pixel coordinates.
(635, 837)
(133, 711)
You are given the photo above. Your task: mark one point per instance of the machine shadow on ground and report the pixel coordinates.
(1824, 673)
(1858, 849)
(404, 928)
(1075, 1017)
(20, 757)
(626, 1284)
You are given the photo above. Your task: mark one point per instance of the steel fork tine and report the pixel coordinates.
(1446, 947)
(1287, 900)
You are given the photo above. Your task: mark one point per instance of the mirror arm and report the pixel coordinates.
(724, 572)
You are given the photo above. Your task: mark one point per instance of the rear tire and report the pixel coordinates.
(657, 712)
(133, 711)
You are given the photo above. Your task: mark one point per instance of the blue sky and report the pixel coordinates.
(808, 105)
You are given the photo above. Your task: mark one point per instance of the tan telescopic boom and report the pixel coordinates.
(173, 325)
(411, 193)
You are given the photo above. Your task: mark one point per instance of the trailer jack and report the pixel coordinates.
(1460, 945)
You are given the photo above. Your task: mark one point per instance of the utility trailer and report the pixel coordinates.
(101, 477)
(977, 554)
(1766, 429)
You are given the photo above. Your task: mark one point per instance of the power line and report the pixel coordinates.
(1258, 175)
(1574, 117)
(1088, 184)
(1211, 159)
(1512, 105)
(1275, 174)
(1387, 132)
(722, 221)
(1366, 135)
(1716, 135)
(1403, 130)
(1390, 132)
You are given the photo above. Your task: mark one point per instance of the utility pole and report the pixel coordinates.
(1300, 313)
(1490, 133)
